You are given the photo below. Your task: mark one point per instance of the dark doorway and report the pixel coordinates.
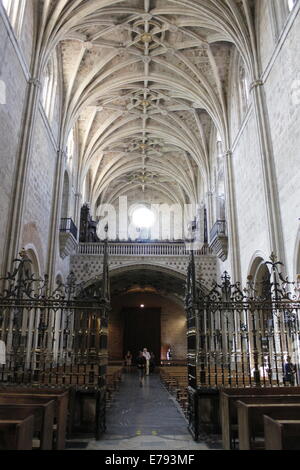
(142, 330)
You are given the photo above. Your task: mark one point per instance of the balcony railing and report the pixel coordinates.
(68, 226)
(140, 249)
(219, 229)
(219, 240)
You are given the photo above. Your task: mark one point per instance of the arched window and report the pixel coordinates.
(70, 147)
(30, 320)
(15, 11)
(70, 153)
(49, 85)
(220, 184)
(239, 89)
(280, 11)
(65, 198)
(291, 4)
(243, 89)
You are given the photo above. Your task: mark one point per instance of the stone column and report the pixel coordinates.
(77, 209)
(274, 223)
(15, 223)
(233, 240)
(209, 201)
(56, 213)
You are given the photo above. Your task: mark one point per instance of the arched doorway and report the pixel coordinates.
(260, 322)
(30, 322)
(147, 319)
(147, 311)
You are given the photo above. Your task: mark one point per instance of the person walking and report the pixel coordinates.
(147, 356)
(141, 365)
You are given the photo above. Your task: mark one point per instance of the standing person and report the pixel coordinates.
(147, 356)
(289, 371)
(169, 354)
(141, 365)
(128, 360)
(152, 361)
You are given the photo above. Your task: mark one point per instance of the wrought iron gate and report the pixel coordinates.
(242, 337)
(54, 338)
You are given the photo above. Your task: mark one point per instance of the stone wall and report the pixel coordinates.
(282, 87)
(88, 267)
(278, 47)
(16, 61)
(250, 198)
(13, 77)
(40, 186)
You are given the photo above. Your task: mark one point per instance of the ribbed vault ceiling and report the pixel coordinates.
(145, 83)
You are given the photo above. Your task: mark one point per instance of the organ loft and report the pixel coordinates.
(149, 234)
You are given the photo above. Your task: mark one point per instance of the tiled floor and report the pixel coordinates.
(145, 418)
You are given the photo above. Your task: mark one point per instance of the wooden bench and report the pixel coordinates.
(84, 384)
(76, 374)
(281, 434)
(228, 410)
(251, 419)
(61, 398)
(175, 380)
(16, 434)
(41, 409)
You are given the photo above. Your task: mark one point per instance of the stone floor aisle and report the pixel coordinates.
(145, 418)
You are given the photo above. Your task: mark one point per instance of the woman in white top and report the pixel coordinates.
(147, 356)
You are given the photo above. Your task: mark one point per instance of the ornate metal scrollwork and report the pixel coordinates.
(244, 332)
(42, 327)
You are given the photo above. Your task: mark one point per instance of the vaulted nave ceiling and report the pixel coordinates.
(145, 82)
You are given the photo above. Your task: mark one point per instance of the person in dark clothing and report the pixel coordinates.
(169, 354)
(289, 371)
(152, 362)
(141, 365)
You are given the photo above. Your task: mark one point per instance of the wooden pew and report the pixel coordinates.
(175, 379)
(84, 382)
(228, 411)
(41, 408)
(61, 398)
(281, 434)
(250, 419)
(16, 434)
(76, 374)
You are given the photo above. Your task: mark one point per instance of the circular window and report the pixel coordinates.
(143, 217)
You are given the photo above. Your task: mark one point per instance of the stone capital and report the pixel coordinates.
(61, 153)
(146, 59)
(228, 153)
(35, 82)
(256, 84)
